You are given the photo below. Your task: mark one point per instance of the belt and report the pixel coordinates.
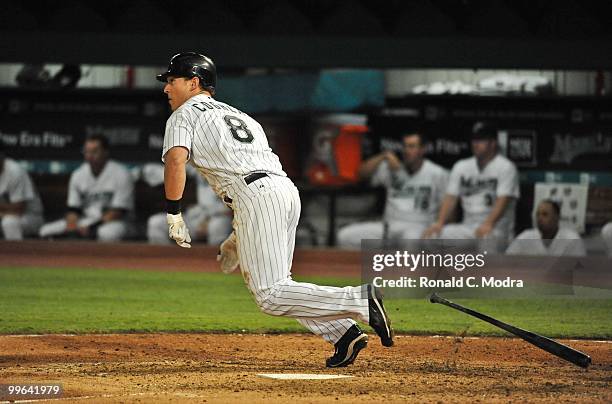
(247, 180)
(254, 177)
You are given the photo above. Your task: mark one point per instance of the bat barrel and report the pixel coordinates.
(583, 361)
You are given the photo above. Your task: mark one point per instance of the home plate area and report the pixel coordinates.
(282, 368)
(301, 376)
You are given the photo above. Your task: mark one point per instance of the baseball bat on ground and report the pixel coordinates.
(547, 344)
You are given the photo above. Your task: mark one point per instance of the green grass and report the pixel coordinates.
(80, 301)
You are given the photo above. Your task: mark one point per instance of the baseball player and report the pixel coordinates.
(487, 185)
(100, 197)
(230, 149)
(548, 238)
(20, 206)
(210, 218)
(415, 188)
(606, 235)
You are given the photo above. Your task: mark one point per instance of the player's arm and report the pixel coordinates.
(75, 204)
(508, 190)
(446, 209)
(174, 184)
(122, 201)
(486, 227)
(367, 168)
(449, 202)
(12, 208)
(18, 195)
(175, 172)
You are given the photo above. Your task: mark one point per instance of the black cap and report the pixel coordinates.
(483, 130)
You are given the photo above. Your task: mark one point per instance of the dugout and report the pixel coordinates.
(551, 139)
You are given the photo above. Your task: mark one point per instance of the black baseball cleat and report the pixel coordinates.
(347, 348)
(379, 320)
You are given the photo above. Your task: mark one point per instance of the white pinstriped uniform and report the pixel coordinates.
(225, 145)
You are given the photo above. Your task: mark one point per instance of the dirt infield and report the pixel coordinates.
(224, 368)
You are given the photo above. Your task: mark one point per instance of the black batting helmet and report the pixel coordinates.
(191, 64)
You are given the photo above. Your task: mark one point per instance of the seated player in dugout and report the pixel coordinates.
(487, 186)
(606, 235)
(100, 198)
(548, 237)
(415, 187)
(20, 207)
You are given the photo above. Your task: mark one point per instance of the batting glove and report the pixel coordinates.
(228, 254)
(177, 230)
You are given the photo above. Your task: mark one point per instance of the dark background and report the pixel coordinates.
(562, 34)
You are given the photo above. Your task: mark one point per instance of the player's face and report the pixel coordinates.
(94, 153)
(483, 147)
(179, 90)
(413, 149)
(546, 217)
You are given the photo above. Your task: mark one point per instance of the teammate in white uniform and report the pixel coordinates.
(488, 187)
(415, 189)
(210, 217)
(230, 149)
(20, 206)
(548, 238)
(100, 197)
(606, 235)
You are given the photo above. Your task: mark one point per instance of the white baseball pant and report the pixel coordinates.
(350, 236)
(111, 231)
(496, 242)
(266, 214)
(15, 227)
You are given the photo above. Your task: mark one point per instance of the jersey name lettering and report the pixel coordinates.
(204, 106)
